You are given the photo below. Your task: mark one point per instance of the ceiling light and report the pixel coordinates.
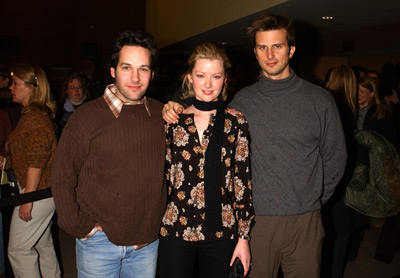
(327, 17)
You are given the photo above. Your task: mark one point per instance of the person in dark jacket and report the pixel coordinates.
(340, 220)
(74, 94)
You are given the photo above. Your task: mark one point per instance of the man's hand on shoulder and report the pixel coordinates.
(234, 112)
(170, 112)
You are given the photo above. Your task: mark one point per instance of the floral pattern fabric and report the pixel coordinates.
(185, 158)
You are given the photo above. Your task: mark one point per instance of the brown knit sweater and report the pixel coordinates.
(32, 145)
(110, 171)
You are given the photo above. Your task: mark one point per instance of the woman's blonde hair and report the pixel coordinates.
(205, 50)
(34, 77)
(370, 84)
(342, 83)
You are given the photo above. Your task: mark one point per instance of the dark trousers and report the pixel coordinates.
(179, 258)
(389, 239)
(334, 256)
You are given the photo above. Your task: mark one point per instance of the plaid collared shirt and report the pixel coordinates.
(116, 103)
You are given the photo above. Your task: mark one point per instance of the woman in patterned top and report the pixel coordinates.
(32, 146)
(209, 212)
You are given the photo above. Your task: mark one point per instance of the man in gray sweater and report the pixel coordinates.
(298, 155)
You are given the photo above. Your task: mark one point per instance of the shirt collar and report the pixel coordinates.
(116, 103)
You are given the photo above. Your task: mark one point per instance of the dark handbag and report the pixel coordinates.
(13, 183)
(237, 270)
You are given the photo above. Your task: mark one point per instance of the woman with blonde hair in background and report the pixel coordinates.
(340, 221)
(32, 145)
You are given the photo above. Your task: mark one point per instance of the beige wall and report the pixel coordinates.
(174, 20)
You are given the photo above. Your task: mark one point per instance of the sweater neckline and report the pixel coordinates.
(282, 85)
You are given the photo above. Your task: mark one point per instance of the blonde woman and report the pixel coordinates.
(210, 211)
(32, 145)
(340, 220)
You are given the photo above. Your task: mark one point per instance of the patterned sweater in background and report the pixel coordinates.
(32, 145)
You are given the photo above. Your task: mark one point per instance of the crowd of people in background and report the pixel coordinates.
(313, 150)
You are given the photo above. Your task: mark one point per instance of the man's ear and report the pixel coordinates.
(152, 75)
(291, 51)
(112, 72)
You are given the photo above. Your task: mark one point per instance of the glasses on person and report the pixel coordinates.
(75, 87)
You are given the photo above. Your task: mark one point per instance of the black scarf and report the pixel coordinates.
(212, 168)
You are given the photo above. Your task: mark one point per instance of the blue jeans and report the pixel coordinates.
(98, 257)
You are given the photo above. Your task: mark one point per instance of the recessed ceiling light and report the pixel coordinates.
(327, 17)
(223, 43)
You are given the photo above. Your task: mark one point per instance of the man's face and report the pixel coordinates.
(133, 73)
(273, 53)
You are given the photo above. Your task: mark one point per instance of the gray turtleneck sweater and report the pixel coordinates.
(297, 143)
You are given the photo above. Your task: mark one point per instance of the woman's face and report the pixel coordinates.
(21, 93)
(364, 96)
(207, 78)
(75, 91)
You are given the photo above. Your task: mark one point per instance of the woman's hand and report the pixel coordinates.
(25, 211)
(242, 251)
(32, 182)
(170, 112)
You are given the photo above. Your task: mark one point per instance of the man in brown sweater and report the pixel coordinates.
(107, 176)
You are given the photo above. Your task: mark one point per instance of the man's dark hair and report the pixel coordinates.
(131, 38)
(269, 22)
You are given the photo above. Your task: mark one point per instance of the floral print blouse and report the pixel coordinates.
(185, 156)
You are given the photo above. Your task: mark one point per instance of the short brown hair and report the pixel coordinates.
(69, 78)
(269, 22)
